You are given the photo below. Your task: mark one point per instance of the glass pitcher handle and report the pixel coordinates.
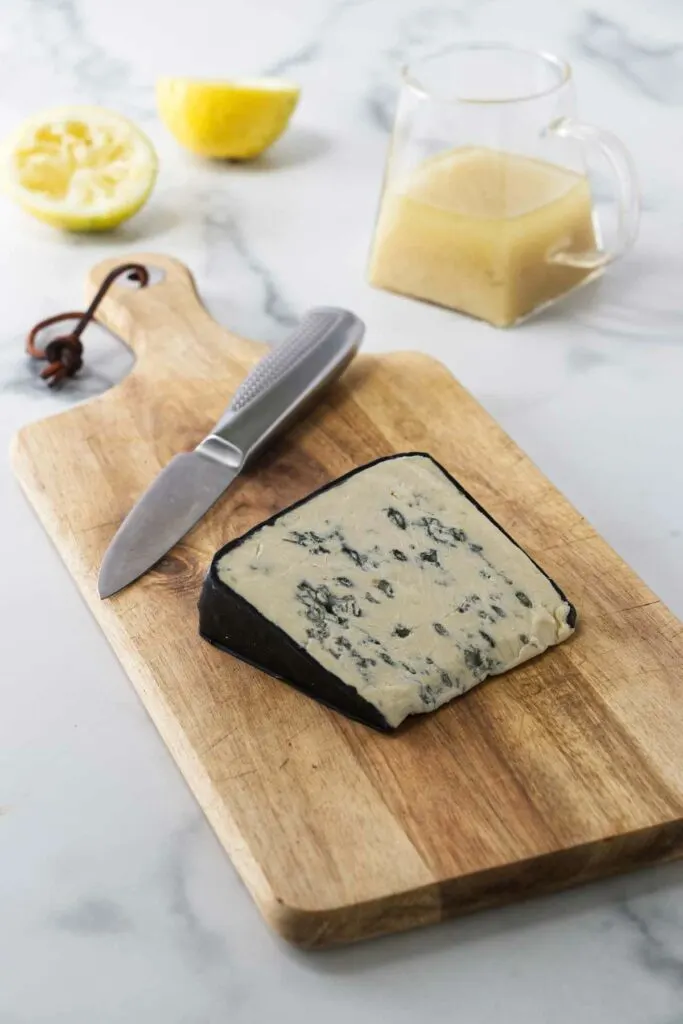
(625, 179)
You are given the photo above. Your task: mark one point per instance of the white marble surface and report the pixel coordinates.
(116, 902)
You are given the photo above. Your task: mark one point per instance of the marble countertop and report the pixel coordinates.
(116, 902)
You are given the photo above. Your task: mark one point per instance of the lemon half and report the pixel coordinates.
(79, 168)
(226, 120)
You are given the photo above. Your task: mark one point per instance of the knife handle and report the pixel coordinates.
(313, 327)
(283, 384)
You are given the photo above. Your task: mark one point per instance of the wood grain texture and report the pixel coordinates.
(565, 770)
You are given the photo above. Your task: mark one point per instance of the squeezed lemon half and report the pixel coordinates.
(81, 168)
(226, 120)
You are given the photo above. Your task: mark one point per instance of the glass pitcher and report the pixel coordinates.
(486, 207)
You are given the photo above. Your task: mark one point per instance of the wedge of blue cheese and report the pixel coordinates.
(385, 594)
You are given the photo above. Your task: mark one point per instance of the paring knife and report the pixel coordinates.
(277, 390)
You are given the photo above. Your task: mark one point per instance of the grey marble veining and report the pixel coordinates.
(117, 903)
(55, 34)
(655, 70)
(660, 939)
(229, 253)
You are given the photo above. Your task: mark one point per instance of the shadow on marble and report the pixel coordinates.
(154, 221)
(93, 917)
(297, 147)
(615, 900)
(638, 298)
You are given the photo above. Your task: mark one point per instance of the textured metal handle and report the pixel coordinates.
(284, 357)
(284, 384)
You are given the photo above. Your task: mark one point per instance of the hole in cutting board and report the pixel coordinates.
(107, 361)
(156, 275)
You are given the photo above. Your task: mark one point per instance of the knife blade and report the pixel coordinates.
(275, 393)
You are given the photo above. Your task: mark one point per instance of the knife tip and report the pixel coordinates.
(108, 584)
(104, 591)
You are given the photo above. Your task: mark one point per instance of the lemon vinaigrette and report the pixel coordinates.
(480, 230)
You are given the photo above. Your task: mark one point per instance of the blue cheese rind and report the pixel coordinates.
(385, 594)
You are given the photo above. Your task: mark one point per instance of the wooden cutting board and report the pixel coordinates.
(567, 769)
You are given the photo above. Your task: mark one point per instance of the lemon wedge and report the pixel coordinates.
(78, 168)
(226, 120)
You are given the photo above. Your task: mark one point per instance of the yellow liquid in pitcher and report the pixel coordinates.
(474, 229)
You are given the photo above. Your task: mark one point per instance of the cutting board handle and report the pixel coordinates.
(165, 323)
